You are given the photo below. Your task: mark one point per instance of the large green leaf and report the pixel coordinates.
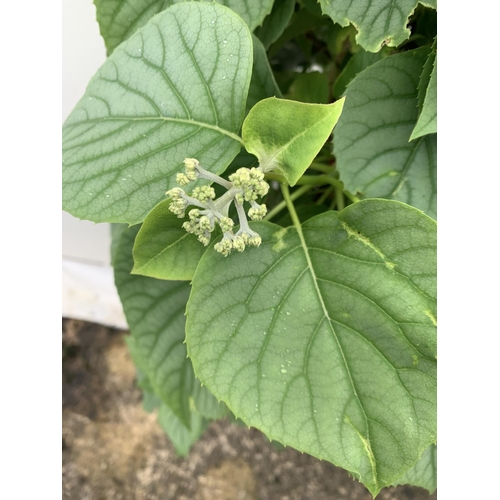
(163, 249)
(370, 142)
(427, 99)
(262, 84)
(276, 22)
(424, 472)
(177, 88)
(155, 314)
(287, 135)
(324, 337)
(119, 19)
(379, 22)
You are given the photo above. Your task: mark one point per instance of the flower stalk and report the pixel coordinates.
(246, 185)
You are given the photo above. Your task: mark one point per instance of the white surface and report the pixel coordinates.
(83, 50)
(89, 294)
(85, 241)
(88, 287)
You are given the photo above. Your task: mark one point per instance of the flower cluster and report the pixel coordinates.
(245, 185)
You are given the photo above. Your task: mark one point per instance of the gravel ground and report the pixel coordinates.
(113, 449)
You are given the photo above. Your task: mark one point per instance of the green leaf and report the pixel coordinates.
(182, 437)
(116, 234)
(155, 314)
(163, 249)
(206, 404)
(312, 6)
(379, 23)
(302, 22)
(424, 472)
(427, 99)
(310, 87)
(359, 62)
(150, 400)
(325, 338)
(287, 135)
(262, 84)
(276, 22)
(119, 19)
(177, 88)
(371, 144)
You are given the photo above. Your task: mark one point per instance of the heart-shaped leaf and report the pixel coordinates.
(324, 337)
(176, 89)
(287, 135)
(371, 141)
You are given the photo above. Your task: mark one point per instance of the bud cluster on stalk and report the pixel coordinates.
(245, 185)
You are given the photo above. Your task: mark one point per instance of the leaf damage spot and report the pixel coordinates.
(368, 449)
(278, 238)
(431, 317)
(366, 241)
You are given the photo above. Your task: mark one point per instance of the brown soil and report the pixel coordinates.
(113, 449)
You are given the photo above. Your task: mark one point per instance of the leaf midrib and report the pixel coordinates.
(161, 118)
(136, 268)
(294, 138)
(366, 443)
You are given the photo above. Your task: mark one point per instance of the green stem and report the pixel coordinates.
(291, 208)
(315, 180)
(320, 167)
(282, 204)
(325, 195)
(339, 199)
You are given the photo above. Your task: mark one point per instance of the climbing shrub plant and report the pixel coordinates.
(270, 170)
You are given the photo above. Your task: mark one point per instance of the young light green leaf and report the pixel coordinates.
(163, 249)
(379, 23)
(287, 135)
(371, 144)
(155, 314)
(119, 19)
(262, 84)
(424, 472)
(157, 100)
(427, 99)
(325, 338)
(182, 437)
(310, 87)
(276, 22)
(359, 62)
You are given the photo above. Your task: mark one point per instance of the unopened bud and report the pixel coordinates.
(204, 193)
